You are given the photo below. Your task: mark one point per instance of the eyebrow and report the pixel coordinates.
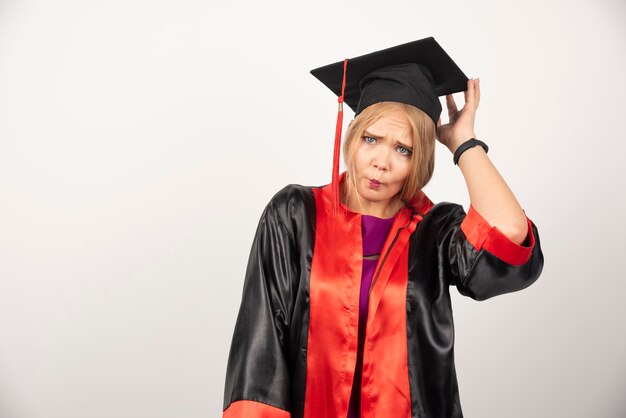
(380, 136)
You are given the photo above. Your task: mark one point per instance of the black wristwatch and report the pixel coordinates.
(470, 143)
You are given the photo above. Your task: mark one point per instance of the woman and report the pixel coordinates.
(346, 306)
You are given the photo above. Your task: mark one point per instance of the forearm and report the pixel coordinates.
(490, 195)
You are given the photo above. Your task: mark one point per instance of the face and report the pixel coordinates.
(383, 154)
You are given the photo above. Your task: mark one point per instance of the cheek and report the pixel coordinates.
(361, 156)
(402, 167)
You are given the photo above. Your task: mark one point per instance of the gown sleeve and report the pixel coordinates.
(481, 261)
(257, 376)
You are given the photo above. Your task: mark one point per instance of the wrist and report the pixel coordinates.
(457, 143)
(459, 140)
(467, 146)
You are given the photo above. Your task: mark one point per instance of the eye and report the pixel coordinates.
(365, 138)
(408, 152)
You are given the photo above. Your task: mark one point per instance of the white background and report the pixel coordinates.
(140, 141)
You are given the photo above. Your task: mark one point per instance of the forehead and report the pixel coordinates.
(393, 125)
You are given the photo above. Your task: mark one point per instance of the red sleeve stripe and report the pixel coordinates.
(482, 235)
(253, 409)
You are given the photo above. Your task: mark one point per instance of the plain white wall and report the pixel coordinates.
(140, 141)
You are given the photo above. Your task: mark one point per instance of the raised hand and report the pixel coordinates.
(460, 127)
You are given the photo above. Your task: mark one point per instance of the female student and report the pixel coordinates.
(346, 307)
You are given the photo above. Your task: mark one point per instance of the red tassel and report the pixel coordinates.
(337, 149)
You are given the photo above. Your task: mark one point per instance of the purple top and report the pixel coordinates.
(374, 231)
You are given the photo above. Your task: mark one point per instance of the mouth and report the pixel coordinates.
(374, 183)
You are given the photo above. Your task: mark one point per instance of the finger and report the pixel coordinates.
(439, 122)
(477, 95)
(451, 105)
(469, 94)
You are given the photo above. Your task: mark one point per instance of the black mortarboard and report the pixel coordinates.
(416, 73)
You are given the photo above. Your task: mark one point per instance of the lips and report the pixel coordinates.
(375, 184)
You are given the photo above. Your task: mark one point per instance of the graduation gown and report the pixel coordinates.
(293, 350)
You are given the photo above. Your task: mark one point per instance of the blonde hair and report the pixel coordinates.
(422, 162)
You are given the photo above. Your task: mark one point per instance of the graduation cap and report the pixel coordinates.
(415, 73)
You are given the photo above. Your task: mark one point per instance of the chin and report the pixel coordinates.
(374, 196)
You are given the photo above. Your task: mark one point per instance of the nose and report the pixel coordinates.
(381, 159)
